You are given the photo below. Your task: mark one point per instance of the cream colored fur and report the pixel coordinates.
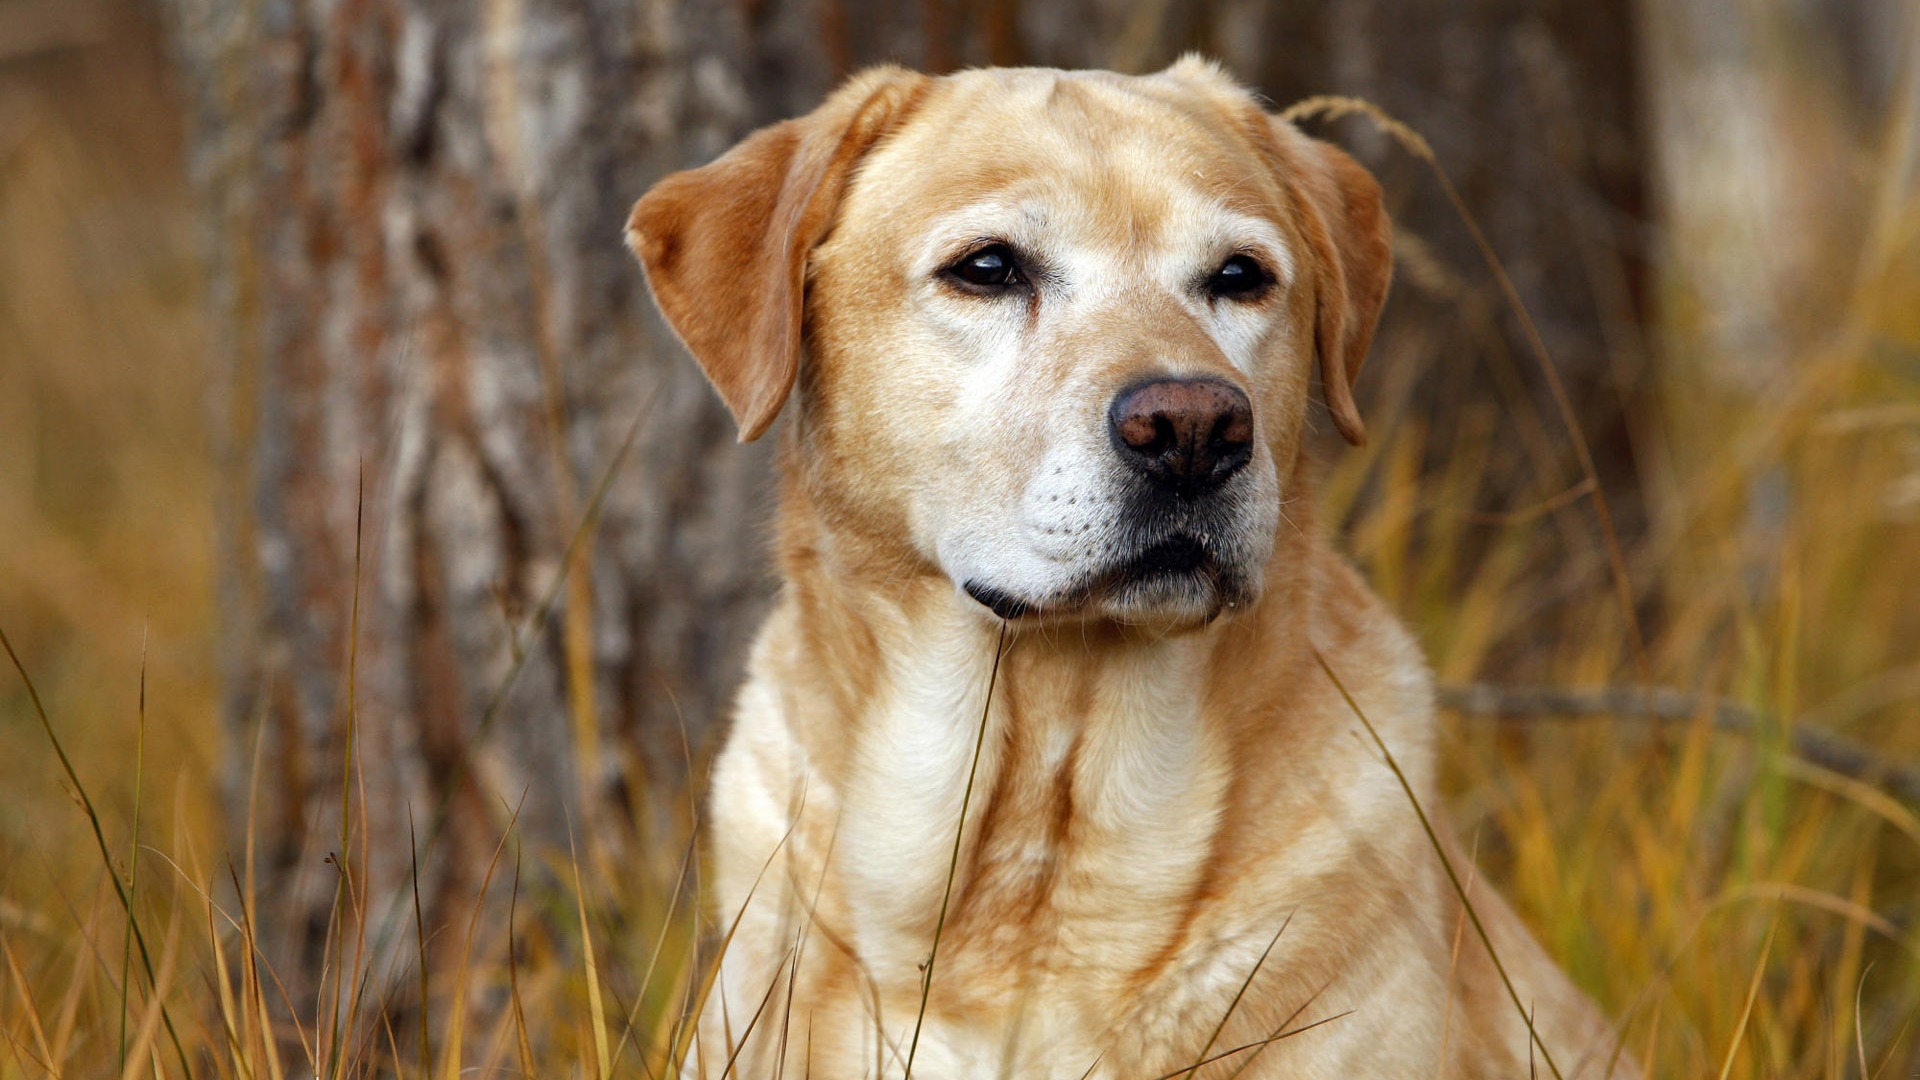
(1161, 785)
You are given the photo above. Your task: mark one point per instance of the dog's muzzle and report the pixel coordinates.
(1181, 541)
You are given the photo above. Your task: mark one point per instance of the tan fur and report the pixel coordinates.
(1164, 780)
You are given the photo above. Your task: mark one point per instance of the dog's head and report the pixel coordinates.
(1053, 332)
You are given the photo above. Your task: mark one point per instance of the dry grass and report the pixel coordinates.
(1747, 913)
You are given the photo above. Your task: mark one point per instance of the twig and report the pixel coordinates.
(1665, 705)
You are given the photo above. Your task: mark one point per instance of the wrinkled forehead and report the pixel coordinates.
(1128, 162)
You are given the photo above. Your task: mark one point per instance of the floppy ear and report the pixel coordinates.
(725, 246)
(1352, 240)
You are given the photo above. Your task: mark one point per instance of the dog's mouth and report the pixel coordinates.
(1179, 575)
(1179, 554)
(1001, 603)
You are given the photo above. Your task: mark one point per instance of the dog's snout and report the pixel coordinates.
(1186, 435)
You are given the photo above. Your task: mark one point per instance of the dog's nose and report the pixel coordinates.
(1187, 435)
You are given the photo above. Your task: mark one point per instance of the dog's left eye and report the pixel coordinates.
(990, 269)
(1239, 278)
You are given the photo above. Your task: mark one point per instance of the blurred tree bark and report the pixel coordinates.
(433, 343)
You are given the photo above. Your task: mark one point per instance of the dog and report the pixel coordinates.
(1053, 758)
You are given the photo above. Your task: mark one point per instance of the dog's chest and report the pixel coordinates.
(1091, 793)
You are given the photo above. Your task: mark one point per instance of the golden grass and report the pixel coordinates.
(1746, 913)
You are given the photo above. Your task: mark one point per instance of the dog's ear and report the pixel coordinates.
(1352, 240)
(725, 246)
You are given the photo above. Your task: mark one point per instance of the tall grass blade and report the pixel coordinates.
(1753, 994)
(420, 950)
(457, 1011)
(100, 842)
(1256, 1046)
(133, 851)
(256, 961)
(149, 1023)
(953, 863)
(596, 1009)
(46, 1058)
(1237, 995)
(1247, 1062)
(343, 898)
(238, 1048)
(701, 983)
(733, 1055)
(659, 944)
(1453, 876)
(513, 973)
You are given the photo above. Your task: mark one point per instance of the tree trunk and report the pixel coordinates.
(434, 345)
(431, 345)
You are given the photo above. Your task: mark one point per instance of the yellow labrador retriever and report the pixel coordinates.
(1037, 771)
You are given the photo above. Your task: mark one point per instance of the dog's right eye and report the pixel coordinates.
(988, 269)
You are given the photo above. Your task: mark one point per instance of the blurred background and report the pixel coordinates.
(383, 568)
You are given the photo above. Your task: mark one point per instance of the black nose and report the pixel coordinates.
(1186, 435)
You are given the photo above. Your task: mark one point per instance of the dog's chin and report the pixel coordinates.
(1173, 585)
(1166, 601)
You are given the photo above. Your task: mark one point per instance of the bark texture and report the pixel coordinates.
(431, 344)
